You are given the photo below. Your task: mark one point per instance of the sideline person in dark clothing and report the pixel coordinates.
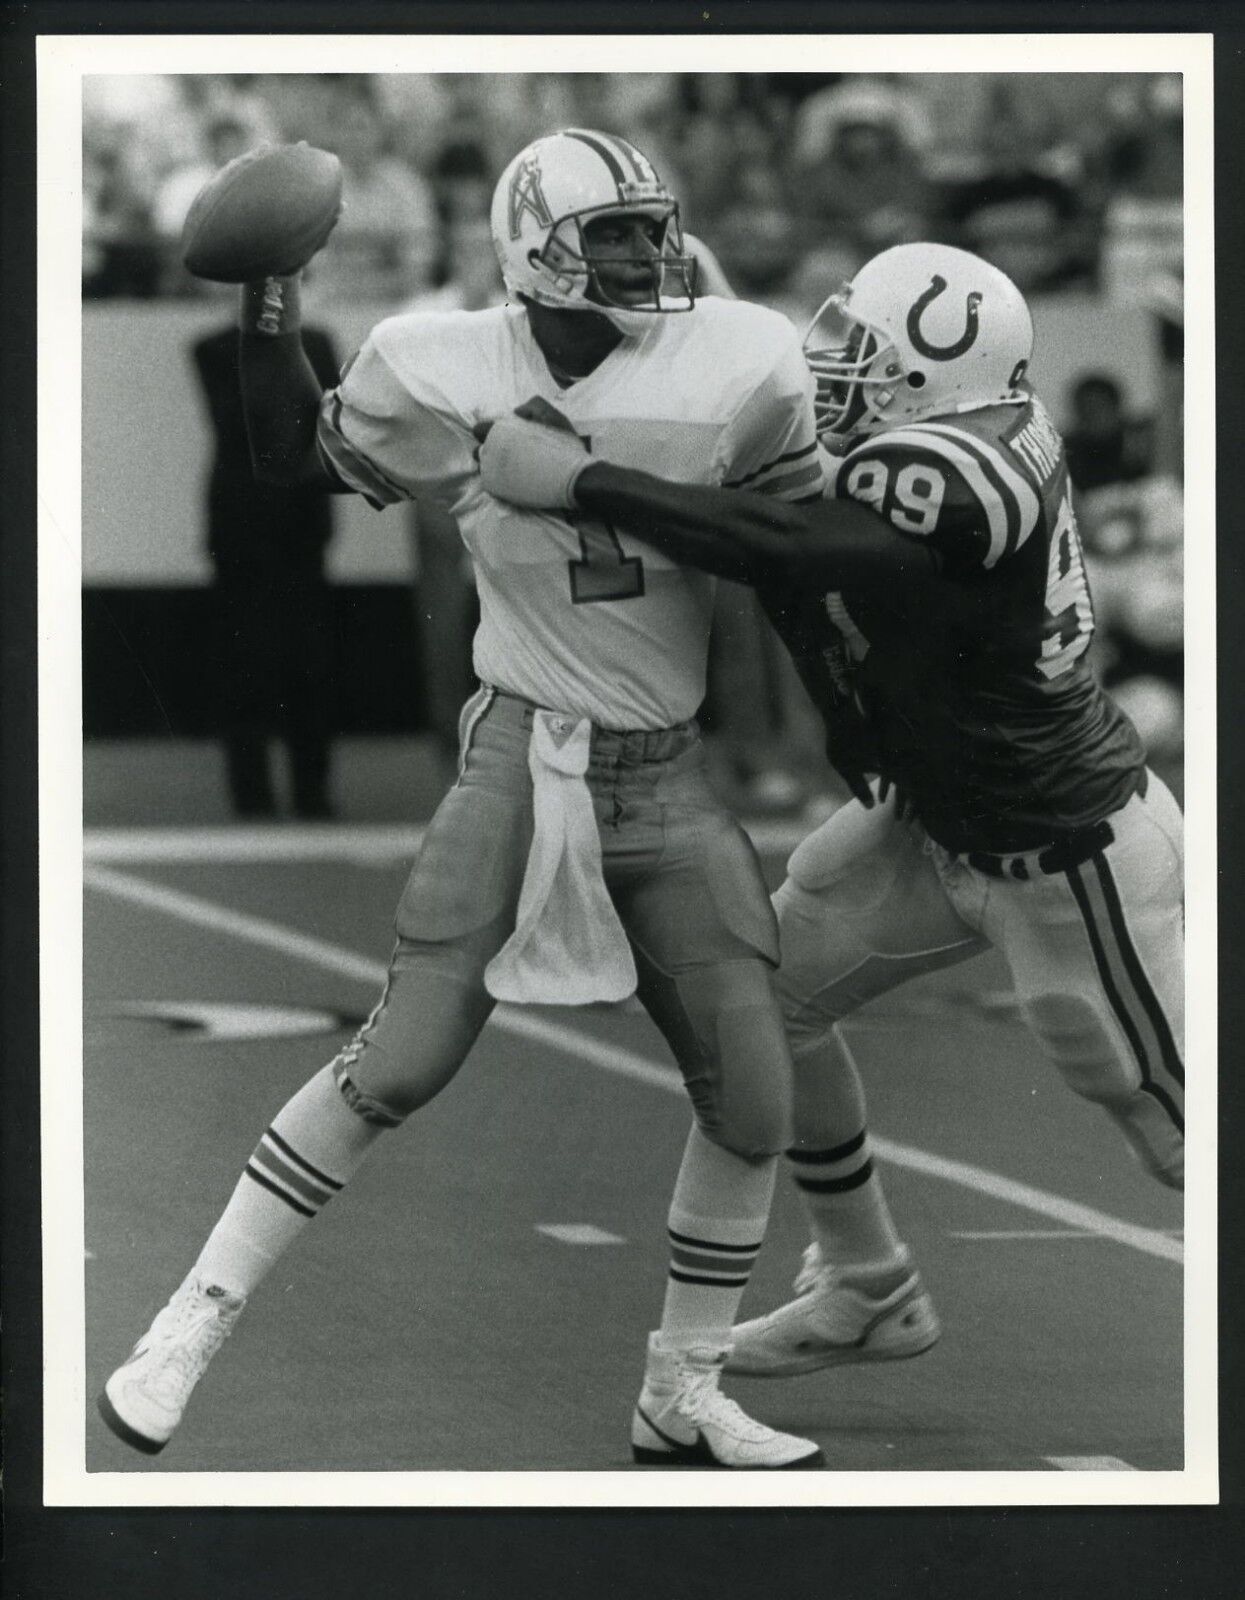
(1104, 444)
(267, 547)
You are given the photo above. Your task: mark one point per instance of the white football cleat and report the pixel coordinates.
(682, 1418)
(837, 1321)
(144, 1399)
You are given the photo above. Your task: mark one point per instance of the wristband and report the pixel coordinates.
(272, 306)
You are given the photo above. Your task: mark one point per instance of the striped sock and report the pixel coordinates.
(845, 1204)
(716, 1225)
(306, 1157)
(278, 1167)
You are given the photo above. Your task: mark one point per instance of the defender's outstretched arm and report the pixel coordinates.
(821, 544)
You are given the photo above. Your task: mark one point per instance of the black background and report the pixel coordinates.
(1193, 1552)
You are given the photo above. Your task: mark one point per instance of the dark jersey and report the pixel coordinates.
(980, 699)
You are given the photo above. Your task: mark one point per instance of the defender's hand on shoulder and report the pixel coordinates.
(531, 463)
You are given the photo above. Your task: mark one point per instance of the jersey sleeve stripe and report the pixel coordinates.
(1012, 480)
(970, 469)
(326, 462)
(778, 461)
(792, 480)
(349, 463)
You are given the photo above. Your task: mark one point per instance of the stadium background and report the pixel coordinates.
(1071, 183)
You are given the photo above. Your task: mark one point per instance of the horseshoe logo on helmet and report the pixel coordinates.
(943, 352)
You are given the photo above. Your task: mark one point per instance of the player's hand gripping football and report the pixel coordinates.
(533, 458)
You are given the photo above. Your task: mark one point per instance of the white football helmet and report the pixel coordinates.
(920, 331)
(540, 206)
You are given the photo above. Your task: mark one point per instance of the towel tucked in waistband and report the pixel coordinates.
(568, 946)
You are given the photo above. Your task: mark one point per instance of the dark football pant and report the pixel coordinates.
(689, 892)
(1095, 949)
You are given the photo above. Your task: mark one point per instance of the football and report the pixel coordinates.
(268, 211)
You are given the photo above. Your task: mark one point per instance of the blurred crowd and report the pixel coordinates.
(1066, 181)
(1063, 180)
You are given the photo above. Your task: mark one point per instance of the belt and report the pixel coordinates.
(626, 744)
(1065, 853)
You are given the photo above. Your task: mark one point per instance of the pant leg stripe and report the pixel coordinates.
(1168, 1051)
(473, 713)
(1126, 1018)
(349, 1054)
(1131, 985)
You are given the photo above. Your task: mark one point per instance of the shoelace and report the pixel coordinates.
(191, 1339)
(811, 1264)
(701, 1401)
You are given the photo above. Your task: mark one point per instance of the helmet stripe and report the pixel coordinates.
(644, 169)
(603, 150)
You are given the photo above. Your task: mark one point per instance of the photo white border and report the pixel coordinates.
(62, 63)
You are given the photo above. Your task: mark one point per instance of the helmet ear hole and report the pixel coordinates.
(916, 380)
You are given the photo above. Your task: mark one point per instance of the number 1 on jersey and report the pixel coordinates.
(605, 571)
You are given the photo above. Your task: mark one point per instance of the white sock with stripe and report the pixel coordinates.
(832, 1163)
(312, 1148)
(717, 1223)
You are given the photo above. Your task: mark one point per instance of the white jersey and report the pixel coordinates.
(573, 616)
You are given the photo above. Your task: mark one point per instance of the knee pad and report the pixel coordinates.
(362, 1104)
(745, 1104)
(725, 1029)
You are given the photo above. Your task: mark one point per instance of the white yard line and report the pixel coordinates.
(585, 1233)
(1149, 1241)
(1007, 1234)
(233, 845)
(236, 924)
(571, 1038)
(318, 842)
(1089, 1464)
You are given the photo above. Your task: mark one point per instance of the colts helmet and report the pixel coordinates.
(541, 204)
(921, 330)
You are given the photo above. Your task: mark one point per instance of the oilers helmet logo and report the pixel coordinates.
(527, 198)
